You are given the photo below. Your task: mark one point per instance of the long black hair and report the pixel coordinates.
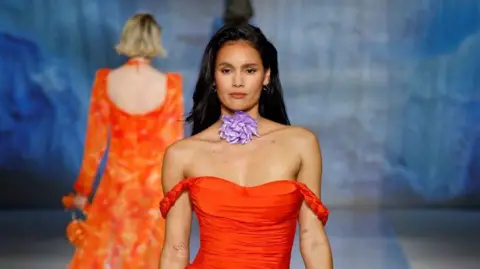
(206, 105)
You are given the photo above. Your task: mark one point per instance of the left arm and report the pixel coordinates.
(314, 244)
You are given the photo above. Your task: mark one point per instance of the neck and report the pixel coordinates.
(253, 112)
(138, 60)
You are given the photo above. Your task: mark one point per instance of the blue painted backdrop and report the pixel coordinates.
(390, 86)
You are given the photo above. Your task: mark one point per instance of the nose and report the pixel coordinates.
(237, 80)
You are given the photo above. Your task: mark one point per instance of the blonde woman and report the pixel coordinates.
(138, 110)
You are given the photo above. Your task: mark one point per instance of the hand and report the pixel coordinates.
(79, 201)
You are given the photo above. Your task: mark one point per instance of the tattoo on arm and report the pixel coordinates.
(181, 249)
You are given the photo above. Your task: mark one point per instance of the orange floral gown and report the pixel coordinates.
(126, 229)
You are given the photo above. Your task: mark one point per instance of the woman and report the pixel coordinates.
(245, 172)
(138, 110)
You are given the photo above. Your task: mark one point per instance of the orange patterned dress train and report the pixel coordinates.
(125, 228)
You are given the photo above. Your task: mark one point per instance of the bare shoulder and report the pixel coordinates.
(181, 150)
(118, 75)
(302, 141)
(305, 144)
(301, 138)
(303, 133)
(159, 74)
(145, 71)
(176, 159)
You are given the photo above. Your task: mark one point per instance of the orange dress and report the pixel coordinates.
(245, 227)
(125, 229)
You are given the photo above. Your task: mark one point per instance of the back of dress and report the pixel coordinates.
(123, 111)
(137, 138)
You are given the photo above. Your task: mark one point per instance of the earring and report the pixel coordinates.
(265, 88)
(214, 89)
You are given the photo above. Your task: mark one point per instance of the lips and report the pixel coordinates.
(238, 95)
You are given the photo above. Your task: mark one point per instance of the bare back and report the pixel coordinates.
(137, 89)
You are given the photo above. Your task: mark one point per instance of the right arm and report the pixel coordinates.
(176, 248)
(95, 139)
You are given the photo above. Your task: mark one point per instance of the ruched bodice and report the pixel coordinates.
(245, 227)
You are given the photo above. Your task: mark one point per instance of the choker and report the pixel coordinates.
(137, 61)
(238, 128)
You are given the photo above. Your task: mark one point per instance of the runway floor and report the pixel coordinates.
(400, 239)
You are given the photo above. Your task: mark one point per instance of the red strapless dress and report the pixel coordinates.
(245, 227)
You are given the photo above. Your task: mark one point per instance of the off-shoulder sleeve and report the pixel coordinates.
(314, 203)
(171, 196)
(96, 135)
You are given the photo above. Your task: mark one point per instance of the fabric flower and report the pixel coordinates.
(238, 128)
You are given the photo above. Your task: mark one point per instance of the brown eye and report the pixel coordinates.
(225, 71)
(251, 70)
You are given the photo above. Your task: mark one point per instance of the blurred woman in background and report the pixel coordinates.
(236, 12)
(138, 110)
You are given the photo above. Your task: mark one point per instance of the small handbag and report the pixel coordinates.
(77, 230)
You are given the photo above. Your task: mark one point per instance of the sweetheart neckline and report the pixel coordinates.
(309, 197)
(228, 181)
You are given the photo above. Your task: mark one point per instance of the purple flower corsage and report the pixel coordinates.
(238, 128)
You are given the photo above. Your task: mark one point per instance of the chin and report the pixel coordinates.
(234, 106)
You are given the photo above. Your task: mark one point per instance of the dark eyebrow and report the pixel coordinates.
(225, 64)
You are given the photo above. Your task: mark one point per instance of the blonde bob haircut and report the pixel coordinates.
(141, 37)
